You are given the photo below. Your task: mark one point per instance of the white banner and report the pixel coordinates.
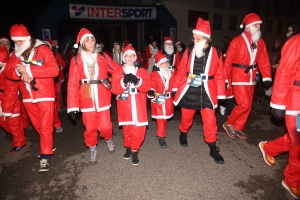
(110, 12)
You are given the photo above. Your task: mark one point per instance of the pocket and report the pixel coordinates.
(86, 89)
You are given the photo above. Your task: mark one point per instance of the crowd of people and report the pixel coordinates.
(198, 78)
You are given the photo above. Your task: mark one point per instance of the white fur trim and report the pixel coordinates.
(75, 46)
(129, 51)
(161, 61)
(201, 33)
(168, 41)
(85, 36)
(255, 22)
(21, 38)
(241, 26)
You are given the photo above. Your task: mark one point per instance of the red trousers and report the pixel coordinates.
(94, 121)
(208, 119)
(41, 117)
(56, 121)
(243, 95)
(24, 117)
(290, 142)
(161, 125)
(133, 136)
(14, 126)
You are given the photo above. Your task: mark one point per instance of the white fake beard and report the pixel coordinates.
(89, 58)
(289, 34)
(166, 74)
(129, 69)
(22, 48)
(255, 33)
(179, 48)
(169, 49)
(199, 48)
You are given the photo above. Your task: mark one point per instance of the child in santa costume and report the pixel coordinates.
(89, 92)
(162, 107)
(131, 84)
(33, 66)
(199, 84)
(11, 122)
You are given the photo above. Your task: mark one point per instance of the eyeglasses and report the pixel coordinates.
(168, 43)
(197, 39)
(18, 41)
(130, 56)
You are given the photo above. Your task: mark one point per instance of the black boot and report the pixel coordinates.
(183, 139)
(127, 154)
(214, 153)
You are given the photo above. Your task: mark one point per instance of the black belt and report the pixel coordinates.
(91, 82)
(133, 90)
(1, 90)
(204, 77)
(245, 66)
(297, 83)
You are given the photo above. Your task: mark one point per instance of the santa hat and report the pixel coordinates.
(3, 38)
(4, 55)
(128, 50)
(250, 19)
(83, 33)
(126, 43)
(19, 32)
(202, 28)
(160, 58)
(177, 42)
(167, 39)
(52, 43)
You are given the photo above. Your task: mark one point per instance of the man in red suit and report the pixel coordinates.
(246, 54)
(162, 107)
(285, 103)
(32, 64)
(199, 84)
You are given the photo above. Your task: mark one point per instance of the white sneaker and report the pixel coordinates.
(110, 145)
(93, 155)
(59, 130)
(222, 110)
(44, 165)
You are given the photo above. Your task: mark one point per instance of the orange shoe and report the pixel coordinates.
(293, 191)
(268, 159)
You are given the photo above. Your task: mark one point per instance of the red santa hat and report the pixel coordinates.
(128, 50)
(52, 43)
(202, 28)
(3, 38)
(177, 42)
(167, 39)
(250, 19)
(4, 55)
(160, 58)
(19, 32)
(83, 33)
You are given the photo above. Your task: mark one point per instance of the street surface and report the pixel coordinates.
(173, 173)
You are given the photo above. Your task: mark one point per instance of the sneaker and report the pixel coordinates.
(241, 135)
(16, 149)
(93, 155)
(59, 130)
(162, 143)
(127, 154)
(229, 130)
(44, 165)
(293, 191)
(268, 159)
(222, 110)
(135, 159)
(110, 145)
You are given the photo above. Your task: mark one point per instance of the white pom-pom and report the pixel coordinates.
(241, 26)
(76, 46)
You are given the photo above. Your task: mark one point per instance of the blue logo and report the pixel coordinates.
(78, 11)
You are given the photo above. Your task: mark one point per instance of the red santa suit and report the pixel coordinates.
(91, 68)
(13, 123)
(38, 96)
(285, 96)
(173, 58)
(132, 111)
(161, 109)
(242, 62)
(150, 53)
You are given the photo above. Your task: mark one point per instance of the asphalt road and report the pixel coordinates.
(175, 172)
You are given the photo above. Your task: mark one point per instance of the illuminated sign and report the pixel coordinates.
(110, 12)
